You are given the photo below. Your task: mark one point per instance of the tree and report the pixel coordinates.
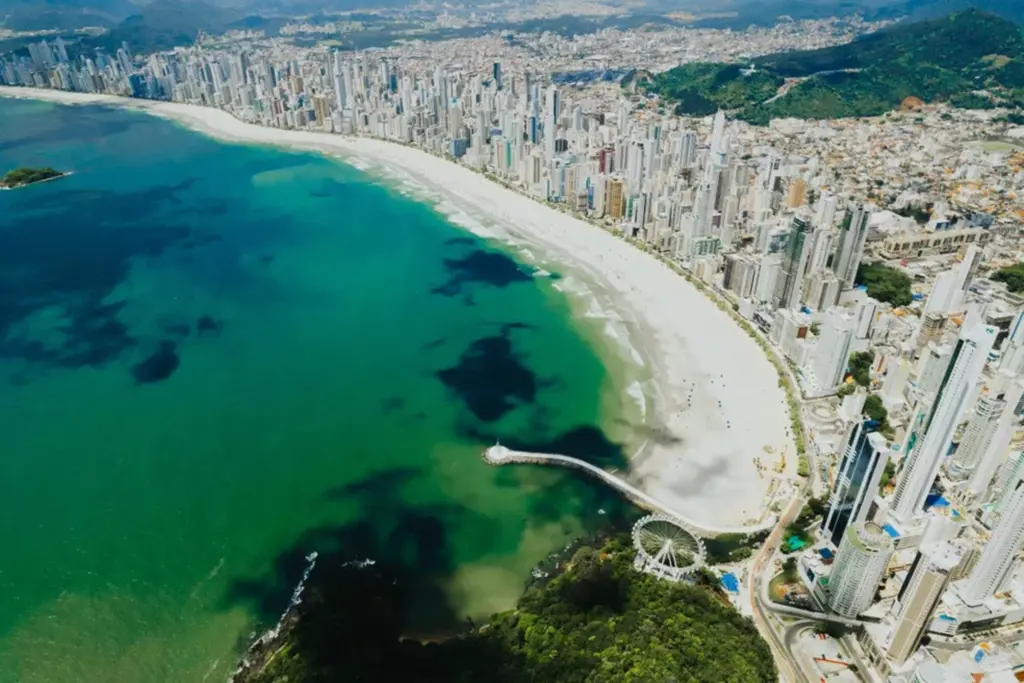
(653, 630)
(1013, 276)
(846, 390)
(860, 367)
(885, 284)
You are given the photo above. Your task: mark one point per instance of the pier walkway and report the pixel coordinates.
(501, 455)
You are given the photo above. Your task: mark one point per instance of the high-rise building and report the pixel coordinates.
(832, 351)
(1000, 552)
(550, 122)
(929, 442)
(850, 247)
(860, 471)
(615, 198)
(797, 193)
(861, 562)
(497, 76)
(932, 367)
(927, 580)
(825, 214)
(794, 263)
(978, 435)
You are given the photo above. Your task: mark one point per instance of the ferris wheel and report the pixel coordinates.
(666, 548)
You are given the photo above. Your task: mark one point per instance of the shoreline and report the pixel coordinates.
(711, 417)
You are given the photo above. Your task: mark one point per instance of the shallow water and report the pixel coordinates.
(215, 359)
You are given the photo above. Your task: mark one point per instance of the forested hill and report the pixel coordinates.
(970, 59)
(600, 621)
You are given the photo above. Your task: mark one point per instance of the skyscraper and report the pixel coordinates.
(550, 122)
(860, 472)
(928, 440)
(860, 563)
(794, 263)
(978, 435)
(996, 560)
(832, 351)
(497, 76)
(929, 575)
(850, 248)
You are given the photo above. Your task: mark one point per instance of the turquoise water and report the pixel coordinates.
(215, 359)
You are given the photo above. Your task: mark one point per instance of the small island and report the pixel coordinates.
(20, 177)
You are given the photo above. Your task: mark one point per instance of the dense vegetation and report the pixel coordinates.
(885, 284)
(26, 176)
(745, 13)
(1013, 276)
(701, 89)
(598, 622)
(860, 367)
(970, 59)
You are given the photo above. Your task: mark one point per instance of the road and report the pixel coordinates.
(790, 670)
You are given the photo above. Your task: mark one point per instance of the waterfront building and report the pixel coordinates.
(861, 562)
(860, 471)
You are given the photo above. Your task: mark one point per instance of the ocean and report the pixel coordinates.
(216, 359)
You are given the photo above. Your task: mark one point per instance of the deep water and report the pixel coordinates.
(215, 359)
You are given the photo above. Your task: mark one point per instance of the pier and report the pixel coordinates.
(502, 455)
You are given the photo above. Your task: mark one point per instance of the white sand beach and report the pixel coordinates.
(715, 401)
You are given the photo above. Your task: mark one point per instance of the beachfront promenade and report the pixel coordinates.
(501, 455)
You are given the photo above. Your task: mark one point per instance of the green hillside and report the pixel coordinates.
(970, 59)
(600, 621)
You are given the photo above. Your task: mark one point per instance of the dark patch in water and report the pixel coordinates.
(178, 330)
(391, 405)
(434, 343)
(206, 326)
(460, 241)
(507, 327)
(554, 276)
(69, 250)
(490, 378)
(159, 366)
(77, 123)
(413, 541)
(266, 259)
(480, 267)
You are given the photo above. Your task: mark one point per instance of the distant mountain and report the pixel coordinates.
(931, 9)
(971, 59)
(36, 15)
(740, 14)
(33, 15)
(163, 25)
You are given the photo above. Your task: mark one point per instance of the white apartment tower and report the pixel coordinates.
(928, 441)
(860, 563)
(997, 558)
(833, 351)
(978, 435)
